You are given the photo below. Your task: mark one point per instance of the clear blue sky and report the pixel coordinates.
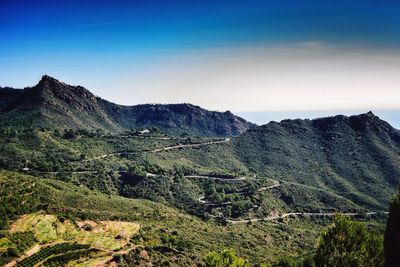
(245, 56)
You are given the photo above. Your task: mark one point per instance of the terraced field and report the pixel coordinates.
(59, 240)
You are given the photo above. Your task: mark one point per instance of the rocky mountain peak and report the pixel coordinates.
(50, 81)
(51, 86)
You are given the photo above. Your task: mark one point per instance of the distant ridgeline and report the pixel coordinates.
(54, 104)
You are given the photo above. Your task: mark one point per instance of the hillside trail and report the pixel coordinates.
(190, 145)
(156, 150)
(310, 214)
(275, 184)
(230, 179)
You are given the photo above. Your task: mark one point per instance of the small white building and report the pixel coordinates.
(145, 131)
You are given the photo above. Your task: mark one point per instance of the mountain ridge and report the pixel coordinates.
(57, 104)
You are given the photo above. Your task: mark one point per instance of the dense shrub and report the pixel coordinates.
(226, 258)
(349, 243)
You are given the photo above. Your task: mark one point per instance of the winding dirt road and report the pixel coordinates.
(310, 214)
(190, 145)
(275, 184)
(156, 150)
(234, 179)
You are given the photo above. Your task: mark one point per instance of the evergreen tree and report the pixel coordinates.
(392, 234)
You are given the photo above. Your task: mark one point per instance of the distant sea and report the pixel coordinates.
(263, 117)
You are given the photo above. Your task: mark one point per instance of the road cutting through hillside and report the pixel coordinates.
(309, 214)
(190, 145)
(230, 179)
(275, 184)
(108, 155)
(156, 150)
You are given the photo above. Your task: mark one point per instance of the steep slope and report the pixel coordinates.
(8, 95)
(52, 103)
(178, 118)
(356, 157)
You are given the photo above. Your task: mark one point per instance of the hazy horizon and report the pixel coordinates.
(264, 117)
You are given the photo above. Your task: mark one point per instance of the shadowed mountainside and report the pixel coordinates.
(52, 103)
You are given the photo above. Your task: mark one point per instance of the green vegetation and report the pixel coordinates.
(17, 197)
(349, 243)
(392, 234)
(226, 258)
(13, 245)
(47, 228)
(70, 255)
(46, 252)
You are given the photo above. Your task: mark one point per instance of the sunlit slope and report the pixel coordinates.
(356, 157)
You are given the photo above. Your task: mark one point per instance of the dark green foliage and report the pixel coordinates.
(166, 190)
(176, 242)
(239, 207)
(349, 243)
(392, 234)
(88, 227)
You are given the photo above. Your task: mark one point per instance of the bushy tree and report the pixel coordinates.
(293, 262)
(136, 170)
(392, 234)
(226, 258)
(349, 243)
